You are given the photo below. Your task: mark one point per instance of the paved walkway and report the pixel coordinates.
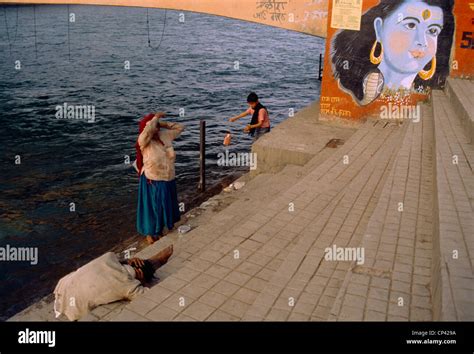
(268, 265)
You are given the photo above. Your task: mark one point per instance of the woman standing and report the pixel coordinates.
(157, 195)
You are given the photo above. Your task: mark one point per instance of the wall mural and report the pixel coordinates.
(402, 50)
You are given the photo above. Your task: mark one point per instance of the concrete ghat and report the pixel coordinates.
(291, 144)
(347, 197)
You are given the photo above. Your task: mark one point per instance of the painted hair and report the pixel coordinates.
(355, 47)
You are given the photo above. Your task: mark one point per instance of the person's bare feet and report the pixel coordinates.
(161, 258)
(151, 240)
(165, 254)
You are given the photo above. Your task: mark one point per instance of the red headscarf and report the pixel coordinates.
(141, 127)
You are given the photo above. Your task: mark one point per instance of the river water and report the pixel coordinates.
(204, 68)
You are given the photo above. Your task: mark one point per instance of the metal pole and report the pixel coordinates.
(202, 156)
(320, 67)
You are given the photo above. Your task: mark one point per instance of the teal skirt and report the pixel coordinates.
(157, 206)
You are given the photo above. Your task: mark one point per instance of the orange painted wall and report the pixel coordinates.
(306, 16)
(337, 102)
(463, 50)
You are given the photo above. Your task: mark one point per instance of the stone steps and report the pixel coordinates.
(266, 186)
(394, 282)
(217, 286)
(304, 278)
(277, 245)
(454, 202)
(461, 96)
(206, 237)
(209, 238)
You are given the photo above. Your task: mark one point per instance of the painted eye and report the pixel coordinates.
(410, 25)
(434, 31)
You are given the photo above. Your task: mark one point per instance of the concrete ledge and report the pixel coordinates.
(459, 91)
(297, 140)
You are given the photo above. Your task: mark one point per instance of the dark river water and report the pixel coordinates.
(67, 161)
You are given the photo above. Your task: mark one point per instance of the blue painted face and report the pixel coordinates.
(410, 36)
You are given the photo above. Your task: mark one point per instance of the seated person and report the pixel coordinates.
(105, 280)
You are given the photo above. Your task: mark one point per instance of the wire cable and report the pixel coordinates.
(7, 29)
(34, 25)
(148, 30)
(68, 33)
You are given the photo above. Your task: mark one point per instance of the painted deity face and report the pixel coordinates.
(410, 36)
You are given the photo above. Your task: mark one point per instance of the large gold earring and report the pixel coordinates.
(426, 75)
(373, 59)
